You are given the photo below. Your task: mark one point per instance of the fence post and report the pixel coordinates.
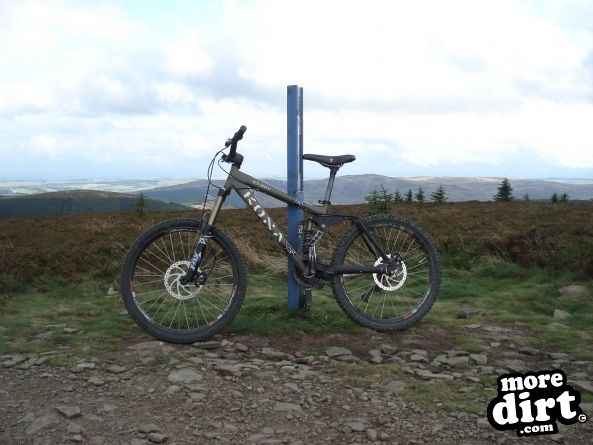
(294, 185)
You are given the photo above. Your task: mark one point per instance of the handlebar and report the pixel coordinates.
(233, 141)
(233, 157)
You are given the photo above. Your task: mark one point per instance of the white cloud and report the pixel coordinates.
(193, 145)
(174, 93)
(39, 28)
(185, 57)
(560, 133)
(17, 97)
(45, 145)
(428, 83)
(460, 52)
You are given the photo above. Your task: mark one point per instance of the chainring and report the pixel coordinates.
(308, 282)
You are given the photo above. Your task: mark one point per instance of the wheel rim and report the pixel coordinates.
(159, 294)
(389, 297)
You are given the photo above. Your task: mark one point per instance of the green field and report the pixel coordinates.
(506, 294)
(508, 260)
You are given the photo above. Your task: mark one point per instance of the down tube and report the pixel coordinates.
(252, 202)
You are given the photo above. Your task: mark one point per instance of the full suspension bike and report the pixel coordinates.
(184, 280)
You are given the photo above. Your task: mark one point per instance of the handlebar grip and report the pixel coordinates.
(236, 138)
(239, 134)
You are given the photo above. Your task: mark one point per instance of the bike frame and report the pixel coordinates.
(244, 185)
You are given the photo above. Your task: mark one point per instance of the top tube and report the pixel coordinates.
(237, 180)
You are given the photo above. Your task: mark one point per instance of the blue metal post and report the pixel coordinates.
(294, 185)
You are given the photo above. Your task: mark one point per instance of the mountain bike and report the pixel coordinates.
(184, 280)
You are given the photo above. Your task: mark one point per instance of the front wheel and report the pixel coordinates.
(387, 302)
(164, 307)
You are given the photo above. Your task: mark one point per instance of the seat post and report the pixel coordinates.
(330, 185)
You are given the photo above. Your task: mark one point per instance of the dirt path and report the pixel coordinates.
(298, 390)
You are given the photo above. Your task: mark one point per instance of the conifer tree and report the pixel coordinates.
(385, 200)
(141, 205)
(439, 196)
(372, 198)
(420, 195)
(505, 191)
(379, 201)
(409, 196)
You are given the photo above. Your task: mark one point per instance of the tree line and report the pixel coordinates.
(505, 194)
(381, 200)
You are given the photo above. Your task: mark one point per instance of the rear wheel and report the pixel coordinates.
(168, 310)
(387, 302)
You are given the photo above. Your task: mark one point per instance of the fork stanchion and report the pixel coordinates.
(294, 185)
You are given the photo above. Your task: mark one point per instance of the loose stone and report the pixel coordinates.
(207, 345)
(186, 375)
(96, 381)
(158, 437)
(337, 351)
(559, 314)
(69, 411)
(116, 369)
(388, 349)
(148, 428)
(478, 359)
(286, 406)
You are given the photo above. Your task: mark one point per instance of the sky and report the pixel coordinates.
(149, 89)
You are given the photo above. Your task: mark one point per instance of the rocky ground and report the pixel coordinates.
(291, 390)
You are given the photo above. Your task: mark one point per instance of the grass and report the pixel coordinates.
(265, 311)
(512, 295)
(37, 319)
(509, 295)
(447, 397)
(33, 320)
(424, 394)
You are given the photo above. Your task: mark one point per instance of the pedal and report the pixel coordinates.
(307, 299)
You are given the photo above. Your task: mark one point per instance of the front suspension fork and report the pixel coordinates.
(196, 259)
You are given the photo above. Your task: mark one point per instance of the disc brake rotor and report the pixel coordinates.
(393, 281)
(173, 284)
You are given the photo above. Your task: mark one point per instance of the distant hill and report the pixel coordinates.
(192, 193)
(77, 201)
(353, 189)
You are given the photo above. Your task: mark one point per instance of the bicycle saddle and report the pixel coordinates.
(330, 161)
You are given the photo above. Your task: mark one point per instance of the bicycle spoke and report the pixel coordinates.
(164, 300)
(387, 297)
